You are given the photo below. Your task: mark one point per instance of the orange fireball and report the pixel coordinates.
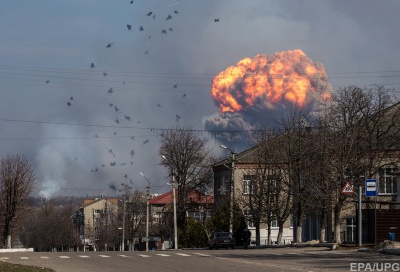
(285, 77)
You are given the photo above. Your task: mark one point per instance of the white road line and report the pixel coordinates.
(182, 254)
(4, 258)
(104, 256)
(163, 255)
(123, 256)
(201, 254)
(24, 258)
(44, 257)
(83, 256)
(142, 255)
(64, 257)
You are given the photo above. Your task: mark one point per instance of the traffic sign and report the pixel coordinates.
(370, 187)
(347, 189)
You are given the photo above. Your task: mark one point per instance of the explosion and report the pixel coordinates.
(258, 89)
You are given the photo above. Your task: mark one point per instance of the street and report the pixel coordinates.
(271, 259)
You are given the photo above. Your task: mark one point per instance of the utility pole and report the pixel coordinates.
(175, 223)
(123, 222)
(147, 212)
(174, 202)
(232, 188)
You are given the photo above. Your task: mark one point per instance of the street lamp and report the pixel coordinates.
(147, 213)
(232, 188)
(174, 201)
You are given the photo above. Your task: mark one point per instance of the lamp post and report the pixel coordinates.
(232, 188)
(174, 202)
(123, 222)
(147, 212)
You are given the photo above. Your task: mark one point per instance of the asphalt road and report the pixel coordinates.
(270, 259)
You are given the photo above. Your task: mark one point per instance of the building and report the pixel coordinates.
(100, 222)
(199, 206)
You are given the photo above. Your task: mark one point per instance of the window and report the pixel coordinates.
(387, 181)
(249, 219)
(248, 184)
(350, 229)
(222, 188)
(274, 222)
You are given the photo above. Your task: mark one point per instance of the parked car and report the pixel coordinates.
(222, 239)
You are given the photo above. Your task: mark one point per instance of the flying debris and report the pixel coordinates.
(127, 117)
(177, 117)
(71, 98)
(146, 52)
(115, 133)
(146, 141)
(103, 165)
(132, 153)
(124, 163)
(126, 176)
(163, 31)
(96, 136)
(47, 81)
(176, 12)
(113, 163)
(175, 86)
(117, 121)
(141, 28)
(169, 17)
(111, 152)
(110, 91)
(129, 27)
(158, 105)
(116, 108)
(170, 29)
(132, 138)
(149, 13)
(154, 17)
(216, 20)
(69, 104)
(112, 187)
(131, 2)
(138, 122)
(184, 95)
(111, 104)
(104, 74)
(97, 169)
(109, 45)
(92, 65)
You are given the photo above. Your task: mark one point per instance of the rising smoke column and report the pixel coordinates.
(258, 90)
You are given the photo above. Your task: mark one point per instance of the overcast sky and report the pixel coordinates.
(87, 128)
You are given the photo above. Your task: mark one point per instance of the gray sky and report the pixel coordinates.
(155, 81)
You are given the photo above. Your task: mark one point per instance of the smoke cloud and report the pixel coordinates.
(259, 90)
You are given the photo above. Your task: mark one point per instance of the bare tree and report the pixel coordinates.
(17, 183)
(189, 161)
(365, 134)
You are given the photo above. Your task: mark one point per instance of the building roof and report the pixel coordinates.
(193, 196)
(89, 201)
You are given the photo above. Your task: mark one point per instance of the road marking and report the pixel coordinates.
(4, 258)
(163, 255)
(44, 257)
(24, 258)
(142, 255)
(203, 255)
(64, 257)
(123, 256)
(104, 256)
(182, 254)
(83, 256)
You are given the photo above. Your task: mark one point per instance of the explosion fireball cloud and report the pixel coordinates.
(258, 89)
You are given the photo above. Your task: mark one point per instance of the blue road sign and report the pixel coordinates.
(370, 187)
